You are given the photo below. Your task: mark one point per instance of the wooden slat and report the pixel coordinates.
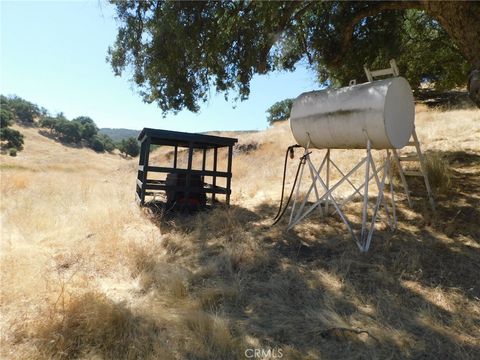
(155, 181)
(229, 170)
(215, 155)
(188, 177)
(382, 72)
(204, 159)
(144, 174)
(206, 189)
(193, 172)
(175, 156)
(154, 192)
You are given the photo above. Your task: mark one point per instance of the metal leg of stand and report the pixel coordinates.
(328, 192)
(392, 192)
(314, 180)
(364, 237)
(339, 211)
(365, 192)
(424, 169)
(327, 180)
(384, 202)
(377, 206)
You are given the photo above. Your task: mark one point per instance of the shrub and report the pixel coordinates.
(96, 144)
(130, 147)
(6, 118)
(101, 143)
(48, 122)
(438, 172)
(69, 131)
(12, 138)
(12, 152)
(88, 127)
(89, 131)
(108, 143)
(23, 110)
(79, 128)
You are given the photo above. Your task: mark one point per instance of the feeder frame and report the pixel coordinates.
(200, 142)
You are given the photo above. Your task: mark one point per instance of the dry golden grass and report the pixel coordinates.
(87, 274)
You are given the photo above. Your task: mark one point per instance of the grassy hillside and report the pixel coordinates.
(87, 274)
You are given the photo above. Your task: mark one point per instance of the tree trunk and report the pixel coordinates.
(461, 20)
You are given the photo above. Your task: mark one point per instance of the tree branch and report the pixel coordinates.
(370, 10)
(281, 26)
(302, 11)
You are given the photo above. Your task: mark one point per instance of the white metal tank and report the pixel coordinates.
(382, 111)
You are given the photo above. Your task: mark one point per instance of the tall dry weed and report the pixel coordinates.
(93, 325)
(439, 172)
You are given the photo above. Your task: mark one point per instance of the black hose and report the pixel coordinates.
(281, 212)
(283, 182)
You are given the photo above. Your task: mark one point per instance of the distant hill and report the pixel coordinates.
(119, 134)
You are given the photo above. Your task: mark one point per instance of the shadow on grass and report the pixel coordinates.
(446, 100)
(311, 293)
(458, 206)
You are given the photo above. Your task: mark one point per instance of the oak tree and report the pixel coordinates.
(180, 51)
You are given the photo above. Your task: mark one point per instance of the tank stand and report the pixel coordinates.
(301, 208)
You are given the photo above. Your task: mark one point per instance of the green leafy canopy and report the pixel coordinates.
(76, 131)
(179, 52)
(129, 146)
(11, 138)
(21, 110)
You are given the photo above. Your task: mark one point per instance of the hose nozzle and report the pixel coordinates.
(291, 152)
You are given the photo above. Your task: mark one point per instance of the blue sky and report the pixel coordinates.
(53, 54)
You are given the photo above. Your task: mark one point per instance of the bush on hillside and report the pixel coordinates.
(23, 111)
(88, 127)
(108, 143)
(11, 138)
(6, 118)
(97, 144)
(76, 130)
(68, 131)
(48, 122)
(82, 128)
(129, 147)
(101, 143)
